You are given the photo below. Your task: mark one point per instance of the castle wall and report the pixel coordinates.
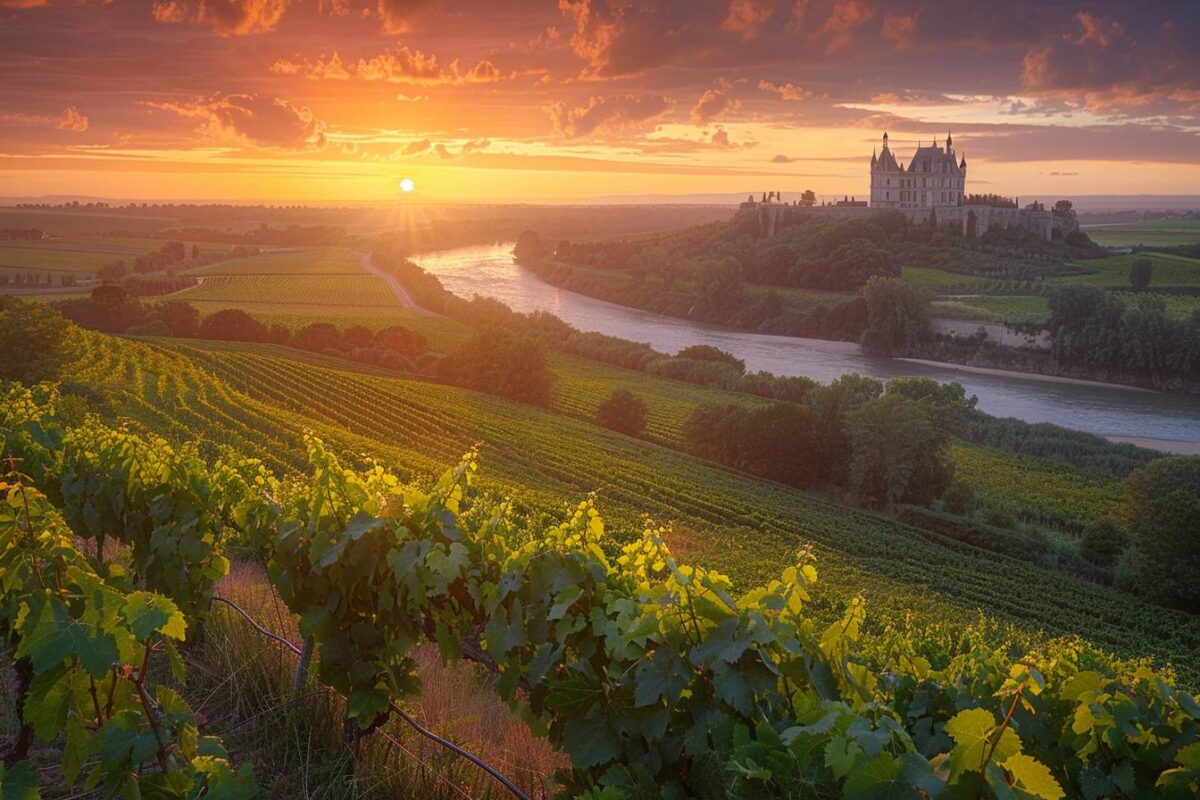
(771, 215)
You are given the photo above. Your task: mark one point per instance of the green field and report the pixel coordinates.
(804, 298)
(329, 261)
(931, 278)
(1151, 232)
(1167, 270)
(83, 254)
(314, 290)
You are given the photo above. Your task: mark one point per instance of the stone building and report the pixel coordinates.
(934, 178)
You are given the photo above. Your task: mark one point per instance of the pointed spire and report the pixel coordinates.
(885, 140)
(963, 164)
(949, 139)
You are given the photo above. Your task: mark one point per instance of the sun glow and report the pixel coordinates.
(406, 185)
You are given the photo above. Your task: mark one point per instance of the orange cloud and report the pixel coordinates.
(397, 14)
(747, 17)
(607, 114)
(786, 91)
(72, 120)
(401, 65)
(226, 17)
(712, 104)
(247, 119)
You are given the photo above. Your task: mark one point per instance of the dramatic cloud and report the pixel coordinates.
(712, 104)
(226, 17)
(1107, 67)
(401, 65)
(747, 17)
(782, 159)
(248, 119)
(608, 114)
(786, 91)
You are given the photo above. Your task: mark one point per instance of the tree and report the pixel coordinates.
(181, 318)
(1065, 210)
(808, 198)
(1139, 274)
(400, 339)
(720, 284)
(897, 453)
(33, 341)
(706, 352)
(1162, 512)
(897, 317)
(319, 336)
(623, 412)
(356, 337)
(497, 361)
(232, 325)
(529, 247)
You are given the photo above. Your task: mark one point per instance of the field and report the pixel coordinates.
(1036, 309)
(331, 261)
(1168, 270)
(931, 278)
(313, 290)
(81, 255)
(1152, 232)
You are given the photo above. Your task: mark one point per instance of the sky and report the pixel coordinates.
(524, 100)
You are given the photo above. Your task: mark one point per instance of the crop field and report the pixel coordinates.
(64, 222)
(1036, 308)
(318, 290)
(1151, 232)
(81, 254)
(1167, 270)
(326, 261)
(741, 525)
(1036, 488)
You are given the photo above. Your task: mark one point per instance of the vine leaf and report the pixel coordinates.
(1033, 777)
(972, 731)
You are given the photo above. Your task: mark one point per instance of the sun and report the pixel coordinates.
(406, 185)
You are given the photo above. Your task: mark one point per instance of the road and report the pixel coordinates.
(397, 289)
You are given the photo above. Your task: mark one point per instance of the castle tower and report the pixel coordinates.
(886, 178)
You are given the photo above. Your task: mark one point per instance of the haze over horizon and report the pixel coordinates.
(287, 101)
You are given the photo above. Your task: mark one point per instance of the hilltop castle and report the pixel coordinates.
(934, 178)
(931, 189)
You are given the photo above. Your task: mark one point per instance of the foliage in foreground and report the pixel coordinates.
(651, 675)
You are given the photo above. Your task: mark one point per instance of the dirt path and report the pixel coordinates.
(397, 289)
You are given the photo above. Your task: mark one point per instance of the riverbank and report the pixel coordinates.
(1019, 374)
(1172, 446)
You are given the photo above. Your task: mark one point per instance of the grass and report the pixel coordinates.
(84, 254)
(805, 298)
(311, 290)
(241, 681)
(326, 261)
(1151, 232)
(995, 308)
(1167, 270)
(937, 279)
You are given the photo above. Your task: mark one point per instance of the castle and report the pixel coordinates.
(933, 187)
(934, 178)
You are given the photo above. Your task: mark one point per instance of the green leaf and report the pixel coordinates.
(55, 635)
(732, 688)
(972, 731)
(589, 742)
(47, 703)
(1033, 777)
(880, 778)
(19, 782)
(147, 613)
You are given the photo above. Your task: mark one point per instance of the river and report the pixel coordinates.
(1107, 410)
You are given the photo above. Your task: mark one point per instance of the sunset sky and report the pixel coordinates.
(338, 100)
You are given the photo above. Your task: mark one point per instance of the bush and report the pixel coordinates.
(623, 412)
(33, 341)
(959, 498)
(1103, 542)
(1162, 510)
(499, 362)
(706, 352)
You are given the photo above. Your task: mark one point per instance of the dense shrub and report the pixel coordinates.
(33, 341)
(1162, 510)
(503, 363)
(623, 412)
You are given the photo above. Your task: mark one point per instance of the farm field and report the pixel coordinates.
(750, 527)
(1168, 270)
(318, 290)
(1150, 232)
(805, 298)
(82, 254)
(327, 261)
(1035, 308)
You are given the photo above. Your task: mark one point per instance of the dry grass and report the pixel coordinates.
(240, 681)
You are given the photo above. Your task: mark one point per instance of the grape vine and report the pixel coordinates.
(654, 676)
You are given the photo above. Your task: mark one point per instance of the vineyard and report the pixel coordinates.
(652, 676)
(748, 528)
(332, 261)
(320, 290)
